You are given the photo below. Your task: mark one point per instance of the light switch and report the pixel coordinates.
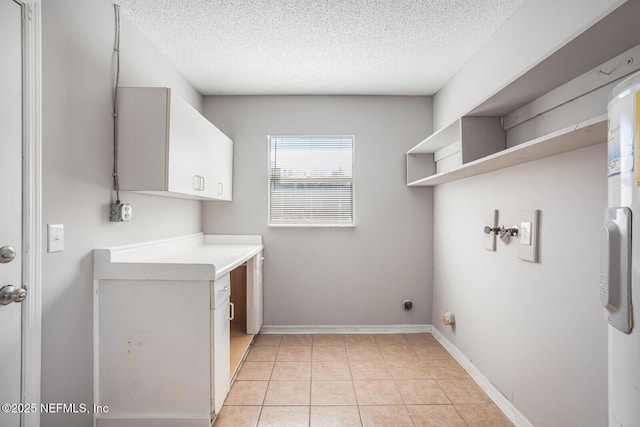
(525, 233)
(55, 237)
(529, 235)
(491, 220)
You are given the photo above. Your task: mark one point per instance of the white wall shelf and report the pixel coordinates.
(569, 117)
(580, 135)
(465, 140)
(558, 105)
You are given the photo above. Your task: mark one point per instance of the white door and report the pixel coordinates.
(11, 211)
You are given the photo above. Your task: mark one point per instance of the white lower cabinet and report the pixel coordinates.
(162, 329)
(154, 353)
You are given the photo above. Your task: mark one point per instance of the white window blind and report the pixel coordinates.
(311, 180)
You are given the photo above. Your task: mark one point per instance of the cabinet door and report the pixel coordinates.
(189, 148)
(143, 132)
(221, 341)
(254, 294)
(224, 168)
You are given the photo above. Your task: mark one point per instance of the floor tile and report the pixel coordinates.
(399, 353)
(462, 391)
(283, 393)
(267, 339)
(294, 353)
(390, 339)
(291, 371)
(332, 393)
(265, 353)
(328, 339)
(238, 416)
(256, 371)
(409, 370)
(363, 353)
(436, 416)
(483, 415)
(377, 392)
(330, 371)
(431, 352)
(329, 353)
(385, 416)
(297, 339)
(445, 369)
(335, 416)
(422, 392)
(319, 380)
(247, 393)
(420, 339)
(284, 416)
(360, 339)
(370, 370)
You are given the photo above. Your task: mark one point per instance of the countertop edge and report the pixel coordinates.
(109, 263)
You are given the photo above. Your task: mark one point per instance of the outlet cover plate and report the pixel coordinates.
(529, 235)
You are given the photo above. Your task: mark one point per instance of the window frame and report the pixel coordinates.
(352, 224)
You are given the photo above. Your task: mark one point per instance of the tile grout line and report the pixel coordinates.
(395, 382)
(353, 386)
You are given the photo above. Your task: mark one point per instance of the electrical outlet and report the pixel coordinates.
(120, 212)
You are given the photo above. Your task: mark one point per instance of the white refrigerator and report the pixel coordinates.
(620, 254)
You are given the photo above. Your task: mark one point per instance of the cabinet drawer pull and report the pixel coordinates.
(232, 311)
(196, 182)
(220, 188)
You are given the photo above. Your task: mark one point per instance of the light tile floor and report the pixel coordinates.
(355, 380)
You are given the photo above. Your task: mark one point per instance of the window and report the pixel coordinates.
(311, 180)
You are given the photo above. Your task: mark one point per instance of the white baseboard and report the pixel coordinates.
(494, 394)
(346, 329)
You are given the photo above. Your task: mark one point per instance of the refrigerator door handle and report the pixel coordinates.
(615, 268)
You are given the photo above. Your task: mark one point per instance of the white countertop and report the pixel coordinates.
(191, 257)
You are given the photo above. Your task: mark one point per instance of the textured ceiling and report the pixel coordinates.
(386, 47)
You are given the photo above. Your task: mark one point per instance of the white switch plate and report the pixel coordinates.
(529, 235)
(525, 233)
(490, 219)
(55, 237)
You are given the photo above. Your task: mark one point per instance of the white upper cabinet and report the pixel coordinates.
(166, 147)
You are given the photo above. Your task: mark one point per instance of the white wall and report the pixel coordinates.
(77, 155)
(535, 330)
(335, 276)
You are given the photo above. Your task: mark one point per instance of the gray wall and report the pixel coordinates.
(77, 160)
(535, 330)
(335, 276)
